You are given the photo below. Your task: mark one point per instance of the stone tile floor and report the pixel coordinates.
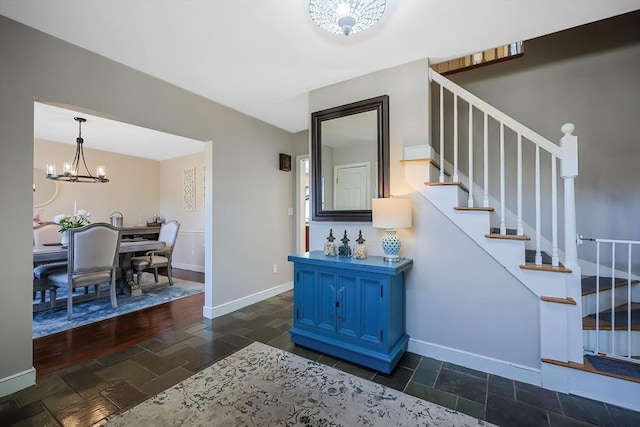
(86, 394)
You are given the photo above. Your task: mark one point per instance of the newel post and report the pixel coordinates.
(568, 172)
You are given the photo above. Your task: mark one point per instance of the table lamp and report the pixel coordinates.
(390, 214)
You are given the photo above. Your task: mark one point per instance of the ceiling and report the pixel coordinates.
(263, 57)
(54, 123)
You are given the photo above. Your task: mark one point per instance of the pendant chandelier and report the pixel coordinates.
(71, 170)
(346, 16)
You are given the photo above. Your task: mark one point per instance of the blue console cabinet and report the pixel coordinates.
(349, 308)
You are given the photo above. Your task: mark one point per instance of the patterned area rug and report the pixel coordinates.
(263, 386)
(46, 323)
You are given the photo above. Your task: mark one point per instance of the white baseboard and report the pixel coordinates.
(17, 382)
(478, 362)
(231, 306)
(190, 267)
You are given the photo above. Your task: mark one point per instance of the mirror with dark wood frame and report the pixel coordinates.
(350, 159)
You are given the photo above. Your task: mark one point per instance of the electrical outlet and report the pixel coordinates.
(275, 268)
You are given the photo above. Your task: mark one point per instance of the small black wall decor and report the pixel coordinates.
(285, 162)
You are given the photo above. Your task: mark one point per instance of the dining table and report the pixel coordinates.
(56, 252)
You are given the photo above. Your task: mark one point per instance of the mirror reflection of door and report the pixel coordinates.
(352, 189)
(349, 148)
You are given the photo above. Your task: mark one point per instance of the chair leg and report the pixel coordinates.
(155, 274)
(69, 301)
(52, 297)
(169, 273)
(114, 298)
(139, 278)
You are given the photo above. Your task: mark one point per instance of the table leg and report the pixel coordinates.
(130, 285)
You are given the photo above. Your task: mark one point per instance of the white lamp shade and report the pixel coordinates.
(391, 213)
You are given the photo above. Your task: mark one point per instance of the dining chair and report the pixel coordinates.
(152, 260)
(93, 260)
(46, 233)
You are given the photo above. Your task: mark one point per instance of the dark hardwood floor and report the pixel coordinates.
(78, 345)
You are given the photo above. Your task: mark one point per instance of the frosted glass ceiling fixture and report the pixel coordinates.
(71, 170)
(346, 16)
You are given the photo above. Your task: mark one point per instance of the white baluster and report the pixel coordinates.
(554, 212)
(441, 179)
(597, 297)
(455, 139)
(470, 201)
(613, 297)
(520, 227)
(629, 302)
(503, 207)
(538, 219)
(485, 199)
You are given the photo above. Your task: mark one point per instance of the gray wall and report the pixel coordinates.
(588, 76)
(248, 220)
(458, 297)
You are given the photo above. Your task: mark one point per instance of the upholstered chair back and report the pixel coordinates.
(169, 233)
(93, 247)
(47, 232)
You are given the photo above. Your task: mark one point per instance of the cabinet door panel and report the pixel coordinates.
(326, 301)
(305, 295)
(373, 313)
(348, 297)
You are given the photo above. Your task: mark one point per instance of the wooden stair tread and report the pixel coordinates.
(506, 236)
(589, 284)
(425, 160)
(589, 324)
(589, 321)
(588, 367)
(421, 160)
(544, 267)
(479, 209)
(569, 301)
(437, 184)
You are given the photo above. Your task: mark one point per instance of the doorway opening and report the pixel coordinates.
(144, 190)
(303, 203)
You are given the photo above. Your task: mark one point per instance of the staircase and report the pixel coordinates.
(486, 190)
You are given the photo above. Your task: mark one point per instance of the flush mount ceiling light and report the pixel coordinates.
(346, 16)
(71, 170)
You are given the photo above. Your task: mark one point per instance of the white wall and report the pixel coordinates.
(459, 300)
(188, 253)
(247, 223)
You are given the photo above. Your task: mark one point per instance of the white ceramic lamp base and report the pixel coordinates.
(391, 246)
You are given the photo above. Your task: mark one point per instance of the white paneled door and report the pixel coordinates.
(352, 190)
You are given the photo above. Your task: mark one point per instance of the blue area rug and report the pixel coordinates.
(46, 323)
(613, 366)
